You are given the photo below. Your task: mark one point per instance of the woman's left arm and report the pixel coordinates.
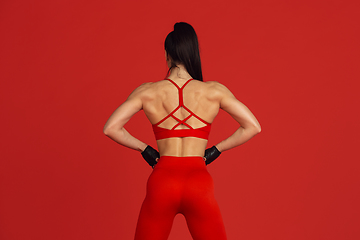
(114, 127)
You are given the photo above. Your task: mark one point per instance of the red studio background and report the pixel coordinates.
(66, 65)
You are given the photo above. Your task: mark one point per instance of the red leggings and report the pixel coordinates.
(180, 185)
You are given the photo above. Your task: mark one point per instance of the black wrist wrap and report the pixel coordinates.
(150, 155)
(211, 154)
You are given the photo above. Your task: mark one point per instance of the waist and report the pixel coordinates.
(181, 147)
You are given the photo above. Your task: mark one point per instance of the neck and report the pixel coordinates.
(179, 73)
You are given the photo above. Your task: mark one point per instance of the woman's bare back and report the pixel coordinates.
(162, 97)
(204, 99)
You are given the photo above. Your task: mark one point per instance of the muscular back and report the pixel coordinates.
(203, 99)
(161, 98)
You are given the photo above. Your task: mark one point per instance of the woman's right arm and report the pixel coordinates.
(114, 127)
(249, 126)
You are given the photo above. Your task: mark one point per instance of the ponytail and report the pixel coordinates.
(183, 47)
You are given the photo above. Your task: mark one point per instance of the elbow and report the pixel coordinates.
(113, 132)
(256, 129)
(107, 130)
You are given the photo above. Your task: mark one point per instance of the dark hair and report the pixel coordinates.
(183, 47)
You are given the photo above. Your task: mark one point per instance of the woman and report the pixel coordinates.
(181, 110)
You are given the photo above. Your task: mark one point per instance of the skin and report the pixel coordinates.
(158, 99)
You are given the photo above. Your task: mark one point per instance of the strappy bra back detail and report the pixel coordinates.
(161, 133)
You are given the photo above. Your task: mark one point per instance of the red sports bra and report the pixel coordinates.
(161, 133)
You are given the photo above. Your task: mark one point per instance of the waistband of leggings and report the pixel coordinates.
(181, 161)
(185, 158)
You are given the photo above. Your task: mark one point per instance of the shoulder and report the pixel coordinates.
(145, 90)
(217, 89)
(142, 88)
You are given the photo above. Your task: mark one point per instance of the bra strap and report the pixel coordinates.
(180, 89)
